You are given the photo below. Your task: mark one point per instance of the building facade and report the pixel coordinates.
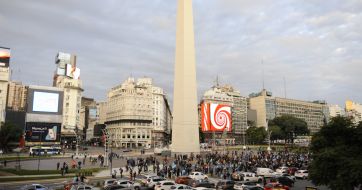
(135, 113)
(354, 111)
(336, 110)
(66, 77)
(268, 107)
(227, 95)
(17, 96)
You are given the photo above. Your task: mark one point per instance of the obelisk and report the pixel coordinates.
(185, 128)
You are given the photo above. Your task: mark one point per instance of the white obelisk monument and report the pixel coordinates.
(185, 127)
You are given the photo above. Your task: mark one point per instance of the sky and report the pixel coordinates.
(315, 45)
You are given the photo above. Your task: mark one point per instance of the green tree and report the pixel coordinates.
(256, 135)
(290, 127)
(9, 133)
(337, 156)
(277, 133)
(201, 135)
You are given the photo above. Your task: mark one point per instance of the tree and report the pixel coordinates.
(277, 133)
(336, 155)
(201, 135)
(9, 133)
(256, 135)
(290, 126)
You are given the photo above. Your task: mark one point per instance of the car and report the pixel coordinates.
(282, 169)
(129, 184)
(198, 175)
(285, 181)
(180, 186)
(108, 182)
(164, 185)
(151, 182)
(265, 172)
(143, 178)
(246, 176)
(275, 186)
(254, 187)
(225, 185)
(286, 175)
(82, 186)
(301, 174)
(183, 180)
(242, 184)
(201, 183)
(35, 187)
(116, 187)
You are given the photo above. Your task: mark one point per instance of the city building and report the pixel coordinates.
(4, 80)
(268, 107)
(354, 111)
(88, 117)
(227, 95)
(66, 77)
(101, 112)
(137, 114)
(17, 96)
(336, 110)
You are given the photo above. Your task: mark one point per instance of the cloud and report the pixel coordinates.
(314, 44)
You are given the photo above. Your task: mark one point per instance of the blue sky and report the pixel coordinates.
(314, 44)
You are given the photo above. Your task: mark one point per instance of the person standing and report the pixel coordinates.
(58, 165)
(121, 171)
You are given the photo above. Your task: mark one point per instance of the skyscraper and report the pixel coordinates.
(185, 128)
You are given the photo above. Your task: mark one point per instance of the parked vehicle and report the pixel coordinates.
(292, 170)
(198, 175)
(180, 186)
(128, 184)
(286, 175)
(301, 174)
(116, 187)
(275, 186)
(282, 169)
(183, 180)
(266, 172)
(225, 185)
(253, 188)
(35, 187)
(201, 183)
(246, 176)
(109, 182)
(151, 182)
(286, 181)
(241, 185)
(83, 187)
(164, 185)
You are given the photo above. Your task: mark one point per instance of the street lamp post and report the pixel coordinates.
(269, 135)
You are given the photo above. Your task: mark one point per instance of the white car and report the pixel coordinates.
(198, 175)
(35, 187)
(180, 186)
(242, 184)
(152, 182)
(250, 176)
(282, 169)
(129, 184)
(108, 182)
(83, 187)
(266, 172)
(164, 185)
(303, 174)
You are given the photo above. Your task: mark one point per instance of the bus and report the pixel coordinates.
(43, 150)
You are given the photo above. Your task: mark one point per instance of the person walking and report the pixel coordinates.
(58, 165)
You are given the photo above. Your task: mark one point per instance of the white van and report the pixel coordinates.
(266, 172)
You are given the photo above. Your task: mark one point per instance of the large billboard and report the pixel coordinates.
(72, 72)
(4, 57)
(45, 101)
(42, 132)
(215, 117)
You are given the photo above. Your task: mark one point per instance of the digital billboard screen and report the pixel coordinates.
(215, 117)
(45, 102)
(42, 132)
(4, 57)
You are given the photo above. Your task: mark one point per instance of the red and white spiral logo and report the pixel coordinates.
(220, 116)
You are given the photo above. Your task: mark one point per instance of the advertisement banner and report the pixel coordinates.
(42, 132)
(4, 57)
(215, 117)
